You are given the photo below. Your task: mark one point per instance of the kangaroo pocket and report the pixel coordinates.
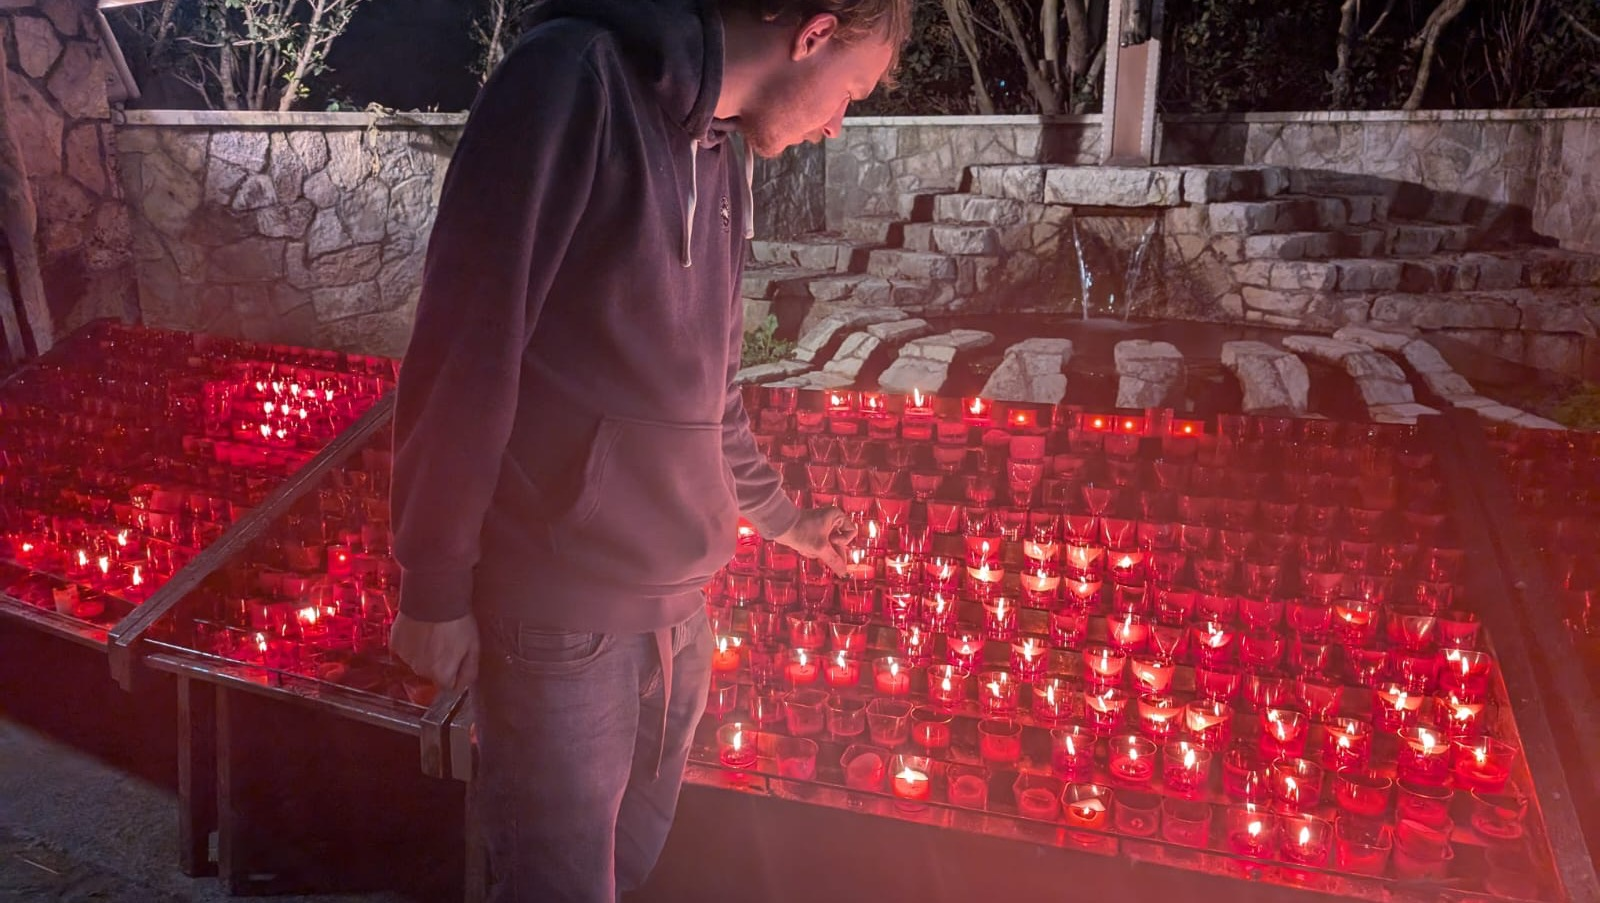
(656, 506)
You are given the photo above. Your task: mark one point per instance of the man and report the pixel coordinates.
(570, 458)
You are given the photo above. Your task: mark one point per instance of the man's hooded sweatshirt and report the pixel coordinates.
(568, 447)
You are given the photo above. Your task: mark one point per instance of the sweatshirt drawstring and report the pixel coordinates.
(749, 194)
(694, 201)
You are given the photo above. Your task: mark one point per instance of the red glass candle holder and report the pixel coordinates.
(1305, 840)
(1103, 666)
(1041, 586)
(998, 692)
(1394, 708)
(930, 728)
(947, 686)
(1209, 723)
(1423, 803)
(1152, 673)
(807, 632)
(1220, 682)
(848, 637)
(1185, 768)
(1160, 716)
(805, 712)
(1000, 741)
(803, 668)
(1245, 777)
(865, 768)
(1268, 690)
(912, 781)
(1498, 817)
(1038, 796)
(1127, 633)
(1029, 658)
(1321, 700)
(1461, 719)
(888, 722)
(796, 758)
(1087, 806)
(1483, 764)
(1346, 743)
(1362, 845)
(968, 787)
(1251, 831)
(891, 676)
(901, 609)
(1126, 567)
(1103, 709)
(964, 649)
(939, 612)
(1186, 822)
(722, 697)
(725, 658)
(1296, 785)
(1362, 792)
(1423, 756)
(736, 746)
(982, 549)
(1421, 852)
(1131, 760)
(1082, 595)
(1055, 699)
(1000, 619)
(1072, 749)
(985, 581)
(1068, 627)
(1465, 672)
(942, 575)
(1283, 733)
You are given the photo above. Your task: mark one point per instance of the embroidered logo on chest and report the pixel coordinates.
(726, 212)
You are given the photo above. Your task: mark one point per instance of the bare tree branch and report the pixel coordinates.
(1044, 91)
(1383, 17)
(1578, 26)
(1348, 12)
(1427, 39)
(961, 19)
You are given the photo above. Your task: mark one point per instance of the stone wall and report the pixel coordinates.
(304, 228)
(879, 161)
(790, 192)
(1537, 169)
(57, 77)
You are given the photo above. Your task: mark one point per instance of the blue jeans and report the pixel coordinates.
(581, 754)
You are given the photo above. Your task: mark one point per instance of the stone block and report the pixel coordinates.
(853, 354)
(1551, 315)
(1274, 301)
(254, 192)
(965, 239)
(1372, 365)
(906, 374)
(1112, 186)
(37, 45)
(1399, 413)
(893, 264)
(1375, 391)
(1449, 385)
(246, 150)
(250, 260)
(78, 82)
(1303, 276)
(900, 331)
(1424, 358)
(1015, 380)
(1062, 348)
(1148, 372)
(765, 373)
(1369, 275)
(1322, 348)
(1381, 339)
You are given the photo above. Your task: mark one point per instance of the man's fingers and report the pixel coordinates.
(830, 556)
(468, 670)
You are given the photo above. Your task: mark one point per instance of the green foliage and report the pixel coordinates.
(762, 346)
(1581, 409)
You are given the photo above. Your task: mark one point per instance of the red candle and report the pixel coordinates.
(1132, 760)
(938, 613)
(915, 646)
(1068, 627)
(1159, 716)
(1000, 619)
(1208, 723)
(1053, 699)
(1424, 756)
(982, 550)
(911, 784)
(1038, 803)
(1127, 633)
(997, 693)
(1103, 666)
(1346, 743)
(1462, 719)
(1283, 733)
(802, 668)
(1394, 708)
(737, 744)
(1028, 658)
(1483, 764)
(1104, 709)
(947, 686)
(1185, 768)
(1072, 752)
(1251, 832)
(891, 677)
(918, 406)
(1083, 562)
(841, 671)
(1088, 806)
(1040, 586)
(1152, 674)
(1296, 784)
(976, 411)
(964, 649)
(1306, 841)
(1127, 567)
(804, 633)
(984, 580)
(930, 728)
(725, 659)
(942, 574)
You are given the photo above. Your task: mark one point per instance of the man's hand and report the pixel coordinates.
(445, 652)
(823, 534)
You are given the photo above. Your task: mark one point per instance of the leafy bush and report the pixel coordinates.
(762, 346)
(1581, 409)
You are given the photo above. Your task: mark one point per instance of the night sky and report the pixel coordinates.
(405, 54)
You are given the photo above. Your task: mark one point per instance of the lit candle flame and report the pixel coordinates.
(841, 660)
(1050, 700)
(994, 687)
(894, 669)
(138, 577)
(1305, 835)
(977, 406)
(1188, 758)
(738, 740)
(945, 684)
(266, 431)
(268, 407)
(1427, 741)
(911, 777)
(83, 559)
(261, 642)
(917, 399)
(27, 547)
(104, 563)
(122, 538)
(309, 614)
(1481, 753)
(801, 655)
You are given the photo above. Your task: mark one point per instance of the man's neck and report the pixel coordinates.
(748, 50)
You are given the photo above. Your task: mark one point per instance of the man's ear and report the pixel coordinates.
(813, 35)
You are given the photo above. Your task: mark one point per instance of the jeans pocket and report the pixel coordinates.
(549, 651)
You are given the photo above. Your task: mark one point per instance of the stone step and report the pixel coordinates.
(893, 263)
(1541, 310)
(976, 208)
(917, 206)
(1461, 271)
(1114, 186)
(1280, 246)
(1273, 380)
(1419, 239)
(1296, 213)
(883, 231)
(820, 251)
(767, 282)
(1221, 184)
(1149, 374)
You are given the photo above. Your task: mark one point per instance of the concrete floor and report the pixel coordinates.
(74, 829)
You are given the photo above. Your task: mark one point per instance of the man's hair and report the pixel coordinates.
(889, 19)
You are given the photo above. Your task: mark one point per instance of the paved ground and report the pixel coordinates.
(74, 829)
